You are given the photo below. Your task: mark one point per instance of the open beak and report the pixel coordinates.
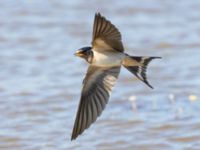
(79, 53)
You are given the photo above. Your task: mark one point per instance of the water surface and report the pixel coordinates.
(41, 79)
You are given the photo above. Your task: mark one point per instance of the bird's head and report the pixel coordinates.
(85, 52)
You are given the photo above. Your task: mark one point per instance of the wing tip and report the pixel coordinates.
(73, 137)
(98, 14)
(74, 134)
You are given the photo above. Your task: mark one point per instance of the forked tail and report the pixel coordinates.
(138, 66)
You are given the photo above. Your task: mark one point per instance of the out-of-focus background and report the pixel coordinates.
(41, 80)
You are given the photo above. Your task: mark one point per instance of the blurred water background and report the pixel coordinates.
(40, 79)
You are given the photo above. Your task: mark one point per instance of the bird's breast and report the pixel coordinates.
(107, 58)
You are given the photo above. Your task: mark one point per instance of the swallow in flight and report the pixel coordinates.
(105, 58)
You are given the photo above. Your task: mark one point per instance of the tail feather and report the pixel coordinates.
(139, 69)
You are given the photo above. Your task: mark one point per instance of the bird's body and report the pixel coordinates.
(105, 58)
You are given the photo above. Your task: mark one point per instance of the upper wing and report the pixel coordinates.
(98, 84)
(105, 35)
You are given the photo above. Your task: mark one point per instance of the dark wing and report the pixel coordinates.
(105, 35)
(97, 87)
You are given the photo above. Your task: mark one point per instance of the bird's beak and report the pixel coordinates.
(79, 53)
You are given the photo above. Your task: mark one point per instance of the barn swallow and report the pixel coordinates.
(105, 58)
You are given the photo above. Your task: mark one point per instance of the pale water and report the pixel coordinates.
(41, 79)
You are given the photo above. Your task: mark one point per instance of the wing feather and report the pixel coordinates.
(96, 91)
(105, 35)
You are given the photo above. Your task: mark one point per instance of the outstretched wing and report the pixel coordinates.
(97, 87)
(105, 35)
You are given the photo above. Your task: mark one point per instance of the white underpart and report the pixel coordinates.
(107, 58)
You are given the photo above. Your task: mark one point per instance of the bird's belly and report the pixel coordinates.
(107, 59)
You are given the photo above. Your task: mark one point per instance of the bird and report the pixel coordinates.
(105, 57)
